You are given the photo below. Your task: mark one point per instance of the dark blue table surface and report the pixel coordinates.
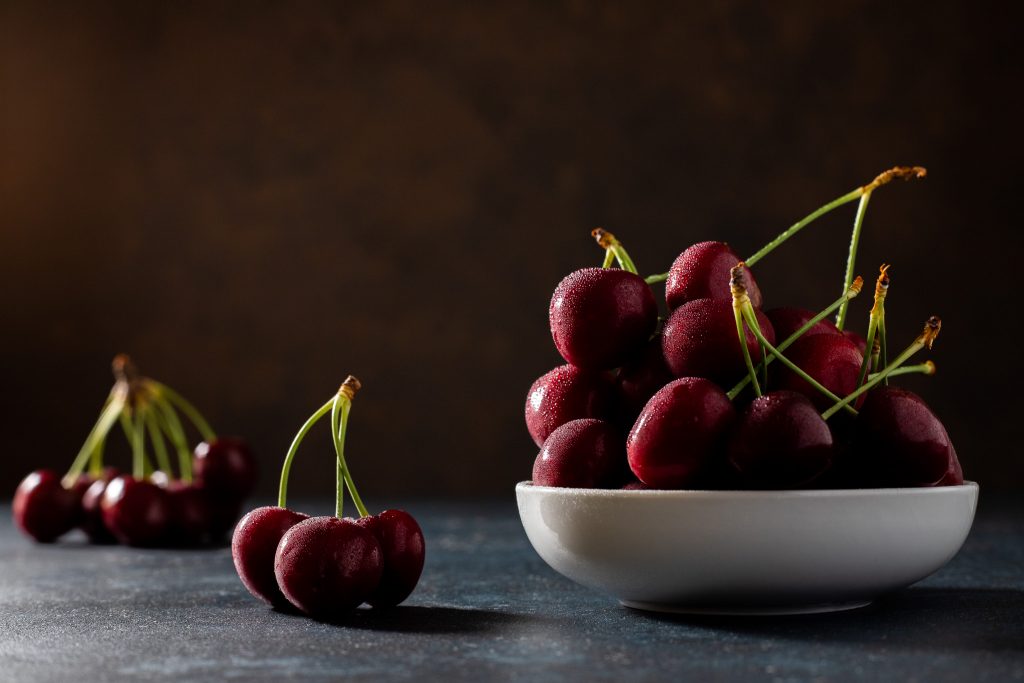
(487, 609)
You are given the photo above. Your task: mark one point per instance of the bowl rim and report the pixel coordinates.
(691, 494)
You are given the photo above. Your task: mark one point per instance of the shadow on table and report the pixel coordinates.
(437, 620)
(950, 619)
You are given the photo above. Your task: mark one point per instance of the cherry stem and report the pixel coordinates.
(282, 491)
(339, 474)
(108, 416)
(925, 368)
(858, 224)
(138, 444)
(925, 339)
(851, 293)
(751, 318)
(740, 299)
(171, 426)
(194, 416)
(159, 445)
(876, 317)
(96, 459)
(613, 246)
(883, 348)
(345, 395)
(609, 258)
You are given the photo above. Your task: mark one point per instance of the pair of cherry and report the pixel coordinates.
(148, 507)
(327, 566)
(668, 391)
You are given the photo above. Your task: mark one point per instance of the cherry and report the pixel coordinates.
(702, 272)
(327, 566)
(600, 316)
(831, 359)
(403, 552)
(580, 454)
(253, 547)
(780, 441)
(900, 441)
(225, 465)
(221, 513)
(860, 342)
(636, 485)
(136, 511)
(640, 378)
(700, 340)
(43, 508)
(788, 319)
(91, 514)
(566, 393)
(189, 514)
(679, 432)
(954, 473)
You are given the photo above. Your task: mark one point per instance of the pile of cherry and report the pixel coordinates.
(325, 567)
(150, 506)
(723, 394)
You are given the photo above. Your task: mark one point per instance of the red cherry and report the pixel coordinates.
(700, 340)
(679, 432)
(43, 508)
(787, 320)
(640, 378)
(600, 316)
(954, 473)
(831, 359)
(702, 272)
(860, 342)
(225, 467)
(327, 566)
(190, 514)
(780, 441)
(135, 511)
(580, 454)
(253, 547)
(91, 514)
(900, 441)
(566, 393)
(403, 551)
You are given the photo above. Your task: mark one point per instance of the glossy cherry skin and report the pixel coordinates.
(640, 378)
(403, 551)
(703, 272)
(788, 319)
(253, 547)
(227, 466)
(954, 473)
(600, 316)
(700, 340)
(327, 567)
(580, 454)
(564, 394)
(679, 432)
(899, 440)
(43, 508)
(832, 359)
(780, 441)
(860, 342)
(136, 511)
(190, 514)
(90, 518)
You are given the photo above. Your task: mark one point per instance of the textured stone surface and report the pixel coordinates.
(487, 608)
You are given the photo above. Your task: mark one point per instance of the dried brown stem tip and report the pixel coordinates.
(929, 367)
(124, 369)
(604, 238)
(857, 285)
(931, 331)
(738, 284)
(349, 387)
(901, 172)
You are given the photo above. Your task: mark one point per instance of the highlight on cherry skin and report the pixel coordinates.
(717, 394)
(171, 495)
(327, 566)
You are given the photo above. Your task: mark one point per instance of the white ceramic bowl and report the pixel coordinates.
(747, 552)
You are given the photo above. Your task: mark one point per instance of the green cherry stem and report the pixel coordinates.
(739, 301)
(854, 289)
(858, 224)
(925, 368)
(159, 445)
(751, 319)
(139, 444)
(346, 393)
(194, 416)
(282, 491)
(924, 340)
(171, 425)
(877, 314)
(339, 473)
(613, 246)
(96, 459)
(883, 349)
(609, 258)
(107, 418)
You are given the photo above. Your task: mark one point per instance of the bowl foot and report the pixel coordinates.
(738, 610)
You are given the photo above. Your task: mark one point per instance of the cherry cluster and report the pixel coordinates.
(722, 394)
(325, 567)
(150, 506)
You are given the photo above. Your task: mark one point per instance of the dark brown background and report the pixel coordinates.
(255, 200)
